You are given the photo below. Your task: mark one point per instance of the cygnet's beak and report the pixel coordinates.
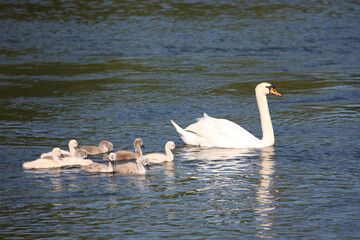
(176, 150)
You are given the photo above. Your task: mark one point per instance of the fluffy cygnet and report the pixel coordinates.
(127, 155)
(159, 157)
(101, 168)
(137, 168)
(54, 162)
(103, 147)
(80, 153)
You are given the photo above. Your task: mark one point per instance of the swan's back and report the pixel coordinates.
(221, 133)
(127, 168)
(156, 157)
(133, 167)
(95, 167)
(44, 162)
(40, 163)
(92, 150)
(75, 161)
(103, 147)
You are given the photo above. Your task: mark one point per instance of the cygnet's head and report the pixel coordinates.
(170, 145)
(56, 151)
(81, 153)
(112, 157)
(73, 143)
(143, 160)
(106, 146)
(139, 142)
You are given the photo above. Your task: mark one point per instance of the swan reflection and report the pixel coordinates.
(224, 162)
(198, 153)
(264, 196)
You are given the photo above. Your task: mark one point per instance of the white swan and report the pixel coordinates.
(72, 149)
(54, 162)
(126, 155)
(159, 157)
(103, 147)
(213, 132)
(137, 168)
(101, 168)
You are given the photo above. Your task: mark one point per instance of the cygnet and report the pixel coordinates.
(159, 157)
(103, 147)
(101, 168)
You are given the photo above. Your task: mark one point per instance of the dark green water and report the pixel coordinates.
(104, 70)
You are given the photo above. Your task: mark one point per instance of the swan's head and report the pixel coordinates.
(170, 145)
(139, 142)
(56, 152)
(112, 157)
(81, 153)
(144, 161)
(266, 88)
(106, 146)
(73, 143)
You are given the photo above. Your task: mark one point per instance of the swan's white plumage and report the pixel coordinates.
(214, 132)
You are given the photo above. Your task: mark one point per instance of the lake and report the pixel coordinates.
(104, 70)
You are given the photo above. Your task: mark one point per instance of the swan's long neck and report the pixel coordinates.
(56, 159)
(72, 150)
(138, 150)
(266, 125)
(102, 147)
(110, 167)
(140, 166)
(169, 154)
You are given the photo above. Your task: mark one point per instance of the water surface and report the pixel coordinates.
(104, 70)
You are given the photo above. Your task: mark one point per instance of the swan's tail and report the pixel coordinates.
(188, 137)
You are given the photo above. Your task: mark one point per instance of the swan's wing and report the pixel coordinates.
(221, 132)
(188, 137)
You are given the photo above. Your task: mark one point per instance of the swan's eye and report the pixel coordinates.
(270, 87)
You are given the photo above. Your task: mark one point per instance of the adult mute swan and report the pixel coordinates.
(159, 157)
(214, 132)
(101, 168)
(126, 155)
(103, 147)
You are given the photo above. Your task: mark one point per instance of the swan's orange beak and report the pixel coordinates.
(273, 91)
